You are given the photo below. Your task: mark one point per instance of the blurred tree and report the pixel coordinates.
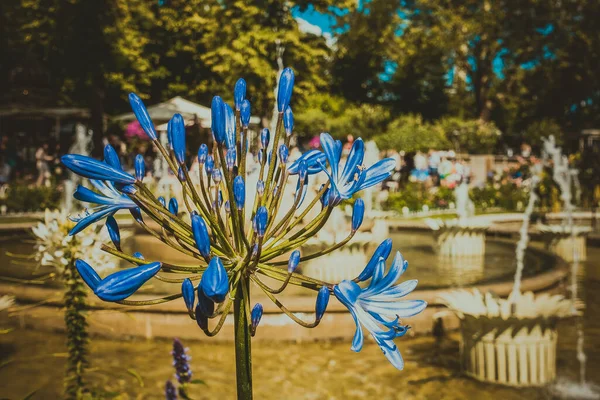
(410, 133)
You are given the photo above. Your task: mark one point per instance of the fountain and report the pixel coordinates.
(81, 145)
(462, 236)
(513, 341)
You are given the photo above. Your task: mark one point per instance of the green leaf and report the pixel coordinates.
(137, 376)
(197, 382)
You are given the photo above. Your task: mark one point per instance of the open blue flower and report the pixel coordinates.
(109, 201)
(353, 177)
(91, 168)
(379, 307)
(314, 160)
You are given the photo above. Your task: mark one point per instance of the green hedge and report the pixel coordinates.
(22, 198)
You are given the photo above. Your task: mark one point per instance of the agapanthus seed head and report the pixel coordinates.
(113, 231)
(293, 261)
(322, 302)
(215, 282)
(200, 232)
(255, 316)
(173, 206)
(139, 109)
(286, 86)
(260, 221)
(178, 137)
(288, 121)
(202, 153)
(245, 111)
(239, 192)
(239, 93)
(265, 137)
(358, 212)
(284, 153)
(140, 167)
(189, 294)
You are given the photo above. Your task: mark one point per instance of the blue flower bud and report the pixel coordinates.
(87, 273)
(129, 189)
(111, 157)
(201, 235)
(260, 220)
(93, 169)
(239, 93)
(113, 231)
(322, 301)
(218, 119)
(288, 121)
(325, 197)
(202, 153)
(140, 167)
(122, 284)
(178, 137)
(265, 137)
(162, 201)
(205, 306)
(261, 155)
(181, 173)
(245, 111)
(189, 294)
(382, 251)
(173, 206)
(302, 170)
(216, 175)
(227, 207)
(260, 187)
(230, 157)
(139, 255)
(293, 261)
(284, 92)
(358, 212)
(139, 109)
(220, 198)
(239, 192)
(201, 318)
(215, 282)
(229, 126)
(136, 213)
(284, 153)
(209, 165)
(255, 316)
(170, 133)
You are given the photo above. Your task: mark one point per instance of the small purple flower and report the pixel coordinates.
(181, 362)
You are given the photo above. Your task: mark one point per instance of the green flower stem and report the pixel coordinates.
(224, 313)
(296, 279)
(242, 170)
(269, 182)
(243, 358)
(283, 308)
(159, 300)
(287, 217)
(275, 210)
(77, 335)
(177, 280)
(139, 261)
(322, 252)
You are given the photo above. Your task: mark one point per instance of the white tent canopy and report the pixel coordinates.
(162, 112)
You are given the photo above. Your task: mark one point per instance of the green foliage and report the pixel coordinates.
(333, 114)
(537, 130)
(410, 133)
(506, 196)
(415, 195)
(22, 198)
(472, 136)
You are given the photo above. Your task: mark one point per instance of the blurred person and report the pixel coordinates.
(42, 164)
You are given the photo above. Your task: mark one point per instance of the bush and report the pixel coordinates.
(22, 198)
(473, 136)
(537, 130)
(415, 195)
(507, 196)
(409, 133)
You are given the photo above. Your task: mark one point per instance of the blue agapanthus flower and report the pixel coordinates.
(108, 199)
(378, 307)
(354, 177)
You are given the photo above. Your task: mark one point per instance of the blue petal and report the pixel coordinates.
(94, 217)
(94, 169)
(396, 292)
(358, 339)
(347, 292)
(391, 352)
(111, 157)
(355, 158)
(139, 109)
(383, 250)
(330, 149)
(113, 231)
(403, 309)
(122, 284)
(378, 172)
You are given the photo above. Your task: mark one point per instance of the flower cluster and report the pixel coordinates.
(239, 234)
(55, 247)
